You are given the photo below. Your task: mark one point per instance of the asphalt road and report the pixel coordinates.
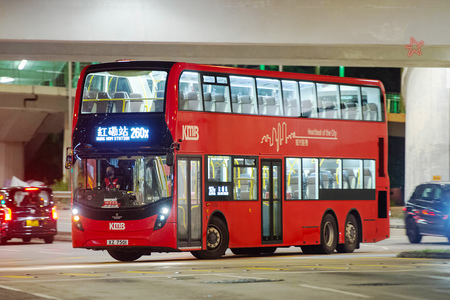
(37, 270)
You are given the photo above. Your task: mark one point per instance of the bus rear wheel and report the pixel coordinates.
(123, 255)
(351, 236)
(328, 235)
(216, 240)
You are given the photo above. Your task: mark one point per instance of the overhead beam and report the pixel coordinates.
(268, 54)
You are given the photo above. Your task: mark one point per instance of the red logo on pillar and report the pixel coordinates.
(414, 47)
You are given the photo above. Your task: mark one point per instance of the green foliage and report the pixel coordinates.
(60, 185)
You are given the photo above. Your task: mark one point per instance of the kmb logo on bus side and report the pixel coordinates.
(190, 133)
(117, 226)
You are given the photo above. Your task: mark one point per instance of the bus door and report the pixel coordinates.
(271, 187)
(189, 192)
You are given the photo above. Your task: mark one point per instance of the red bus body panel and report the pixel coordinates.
(263, 137)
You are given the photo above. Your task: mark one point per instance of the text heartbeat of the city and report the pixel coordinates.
(280, 135)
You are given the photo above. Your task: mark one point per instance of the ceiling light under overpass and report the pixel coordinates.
(22, 64)
(6, 79)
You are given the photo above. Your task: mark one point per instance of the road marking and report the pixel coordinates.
(80, 274)
(385, 266)
(324, 267)
(269, 269)
(12, 276)
(334, 291)
(34, 294)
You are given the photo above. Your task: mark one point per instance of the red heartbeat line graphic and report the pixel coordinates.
(280, 135)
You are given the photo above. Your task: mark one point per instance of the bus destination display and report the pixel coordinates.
(121, 134)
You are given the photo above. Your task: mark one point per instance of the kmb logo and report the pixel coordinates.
(190, 133)
(117, 226)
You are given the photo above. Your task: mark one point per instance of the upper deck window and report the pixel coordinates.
(124, 92)
(269, 97)
(189, 91)
(243, 96)
(372, 109)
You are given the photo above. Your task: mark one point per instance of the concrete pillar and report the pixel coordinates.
(427, 136)
(11, 161)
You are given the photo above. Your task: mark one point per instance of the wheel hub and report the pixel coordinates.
(350, 231)
(213, 238)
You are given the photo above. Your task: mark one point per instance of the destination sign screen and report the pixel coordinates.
(121, 133)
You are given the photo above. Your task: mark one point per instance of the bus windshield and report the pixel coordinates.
(123, 182)
(124, 92)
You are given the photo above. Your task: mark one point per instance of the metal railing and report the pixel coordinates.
(62, 196)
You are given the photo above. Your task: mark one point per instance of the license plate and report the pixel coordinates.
(117, 242)
(33, 223)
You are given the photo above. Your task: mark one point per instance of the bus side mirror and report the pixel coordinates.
(169, 159)
(69, 158)
(69, 162)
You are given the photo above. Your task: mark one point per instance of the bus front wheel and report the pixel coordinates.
(216, 240)
(122, 255)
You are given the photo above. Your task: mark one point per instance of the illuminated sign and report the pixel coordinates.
(218, 191)
(121, 134)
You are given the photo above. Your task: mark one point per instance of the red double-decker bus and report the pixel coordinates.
(186, 157)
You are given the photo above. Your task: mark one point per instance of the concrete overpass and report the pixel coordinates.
(276, 32)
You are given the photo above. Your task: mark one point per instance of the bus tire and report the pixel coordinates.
(328, 235)
(123, 255)
(351, 236)
(412, 231)
(216, 240)
(3, 240)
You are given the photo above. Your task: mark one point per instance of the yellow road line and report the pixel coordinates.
(13, 276)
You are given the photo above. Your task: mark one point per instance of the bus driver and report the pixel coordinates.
(110, 182)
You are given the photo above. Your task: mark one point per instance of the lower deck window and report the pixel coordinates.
(325, 178)
(231, 178)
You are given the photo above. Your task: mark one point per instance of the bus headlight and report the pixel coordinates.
(76, 220)
(162, 218)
